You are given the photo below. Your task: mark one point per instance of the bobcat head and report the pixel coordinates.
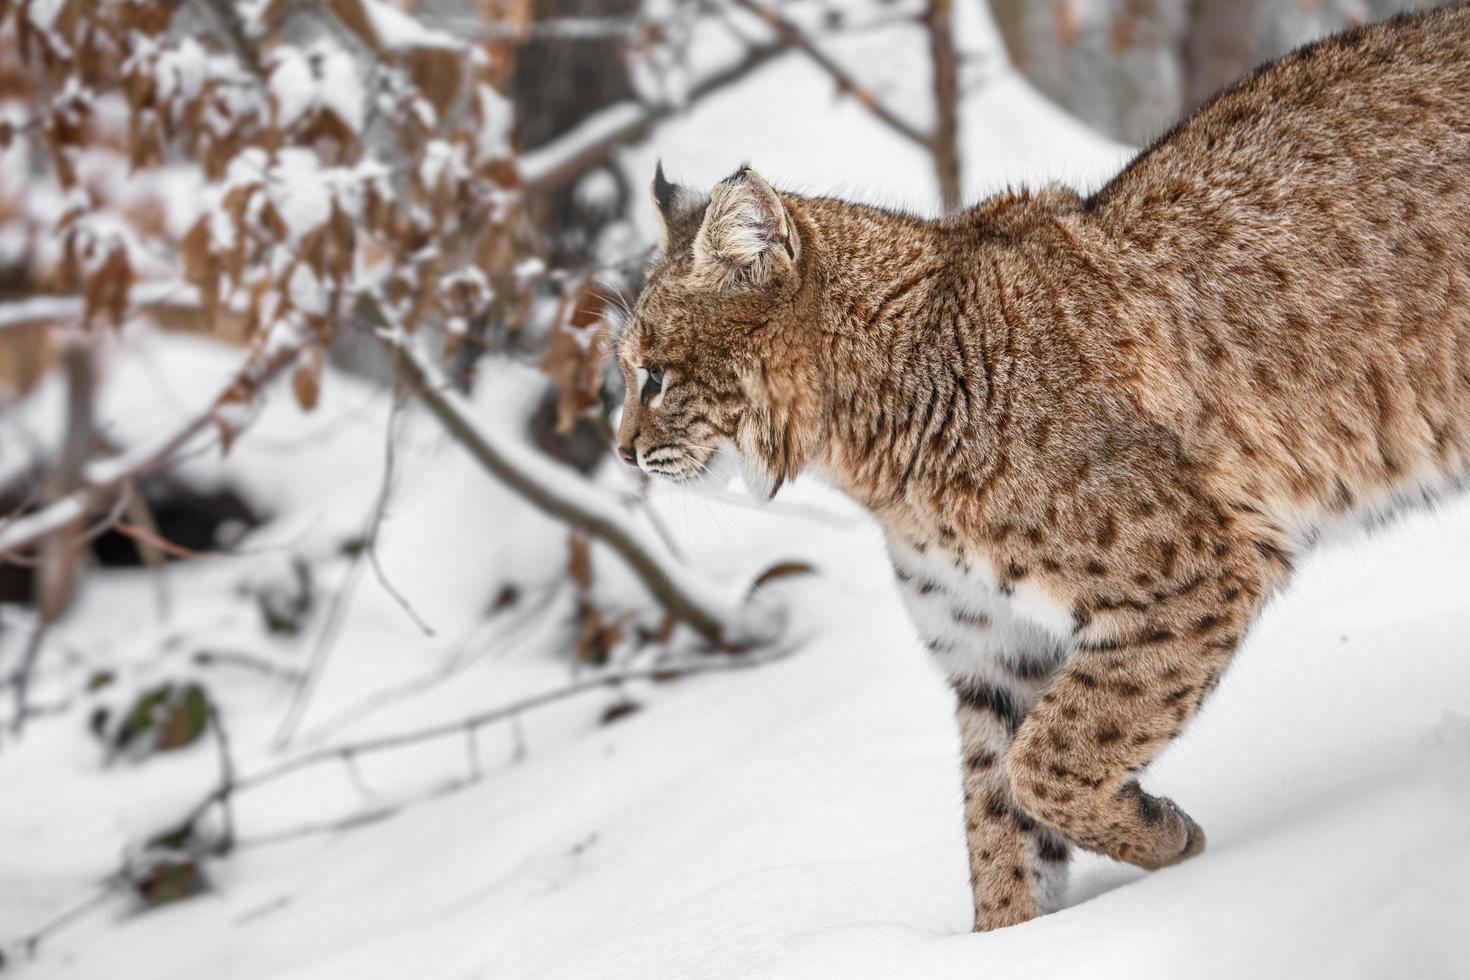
(716, 359)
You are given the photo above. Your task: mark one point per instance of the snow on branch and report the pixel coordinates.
(71, 308)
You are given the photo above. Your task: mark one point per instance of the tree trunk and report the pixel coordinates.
(1218, 47)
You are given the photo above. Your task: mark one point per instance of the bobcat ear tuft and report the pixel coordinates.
(663, 191)
(747, 237)
(680, 211)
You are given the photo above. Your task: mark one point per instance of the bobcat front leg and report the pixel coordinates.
(1018, 868)
(1075, 760)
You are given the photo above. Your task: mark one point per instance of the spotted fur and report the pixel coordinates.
(1098, 431)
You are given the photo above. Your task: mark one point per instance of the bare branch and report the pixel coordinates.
(502, 637)
(226, 781)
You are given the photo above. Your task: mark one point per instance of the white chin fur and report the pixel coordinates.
(754, 475)
(722, 467)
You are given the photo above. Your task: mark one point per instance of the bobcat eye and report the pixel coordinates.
(653, 384)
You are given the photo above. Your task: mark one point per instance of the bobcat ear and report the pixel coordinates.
(680, 211)
(747, 237)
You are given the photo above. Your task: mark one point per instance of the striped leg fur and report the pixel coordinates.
(1018, 867)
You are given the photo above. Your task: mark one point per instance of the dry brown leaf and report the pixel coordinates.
(575, 353)
(579, 560)
(1066, 26)
(438, 73)
(354, 17)
(780, 570)
(306, 382)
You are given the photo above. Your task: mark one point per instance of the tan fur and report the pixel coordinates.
(1122, 416)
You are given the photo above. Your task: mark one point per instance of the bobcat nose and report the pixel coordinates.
(629, 454)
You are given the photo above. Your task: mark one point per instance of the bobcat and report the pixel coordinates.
(1097, 431)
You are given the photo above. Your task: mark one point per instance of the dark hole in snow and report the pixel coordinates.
(193, 519)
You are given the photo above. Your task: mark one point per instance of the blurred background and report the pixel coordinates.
(334, 640)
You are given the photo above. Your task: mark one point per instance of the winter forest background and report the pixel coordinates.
(335, 642)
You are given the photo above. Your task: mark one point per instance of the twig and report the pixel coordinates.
(22, 676)
(326, 640)
(149, 538)
(226, 781)
(31, 942)
(385, 491)
(332, 625)
(210, 658)
(51, 309)
(451, 667)
(152, 548)
(383, 743)
(361, 818)
(347, 754)
(228, 16)
(60, 567)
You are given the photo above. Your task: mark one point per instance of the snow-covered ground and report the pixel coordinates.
(799, 819)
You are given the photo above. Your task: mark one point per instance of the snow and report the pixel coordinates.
(321, 77)
(802, 819)
(398, 30)
(497, 116)
(799, 819)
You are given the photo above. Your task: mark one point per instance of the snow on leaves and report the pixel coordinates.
(579, 344)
